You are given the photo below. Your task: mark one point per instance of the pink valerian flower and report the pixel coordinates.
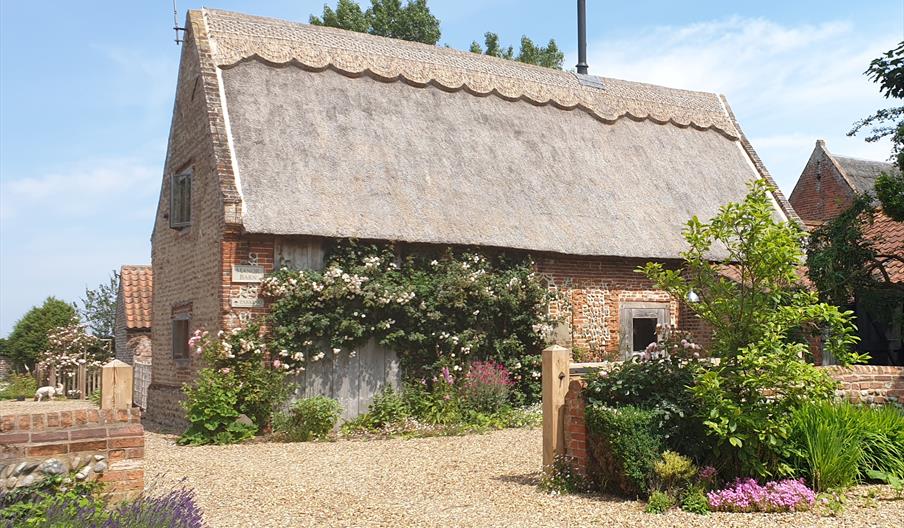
(746, 495)
(488, 373)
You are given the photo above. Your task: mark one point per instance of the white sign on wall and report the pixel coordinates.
(246, 298)
(246, 273)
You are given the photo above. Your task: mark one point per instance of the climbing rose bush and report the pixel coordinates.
(746, 495)
(438, 311)
(70, 346)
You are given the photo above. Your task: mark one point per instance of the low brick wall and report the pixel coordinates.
(103, 445)
(861, 383)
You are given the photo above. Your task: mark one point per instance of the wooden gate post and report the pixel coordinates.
(555, 379)
(116, 385)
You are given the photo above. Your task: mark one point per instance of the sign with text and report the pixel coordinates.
(245, 273)
(246, 297)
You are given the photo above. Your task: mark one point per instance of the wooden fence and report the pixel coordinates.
(78, 383)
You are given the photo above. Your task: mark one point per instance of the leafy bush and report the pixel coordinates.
(760, 317)
(746, 495)
(29, 336)
(838, 444)
(486, 387)
(59, 501)
(695, 501)
(210, 404)
(437, 311)
(560, 477)
(387, 408)
(310, 419)
(626, 444)
(674, 471)
(659, 502)
(19, 385)
(663, 386)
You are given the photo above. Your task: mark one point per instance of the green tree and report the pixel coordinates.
(549, 56)
(759, 315)
(888, 72)
(29, 336)
(98, 307)
(386, 18)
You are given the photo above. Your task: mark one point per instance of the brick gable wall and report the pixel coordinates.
(187, 262)
(821, 192)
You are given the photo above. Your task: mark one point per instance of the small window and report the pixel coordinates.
(644, 333)
(180, 339)
(180, 200)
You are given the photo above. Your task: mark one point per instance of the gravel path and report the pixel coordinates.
(476, 480)
(31, 406)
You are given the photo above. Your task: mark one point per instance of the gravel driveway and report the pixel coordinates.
(475, 480)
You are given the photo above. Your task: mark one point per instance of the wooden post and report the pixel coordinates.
(555, 379)
(116, 385)
(82, 382)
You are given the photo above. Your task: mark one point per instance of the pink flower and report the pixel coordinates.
(276, 363)
(447, 376)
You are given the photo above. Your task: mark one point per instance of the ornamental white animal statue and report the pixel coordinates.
(48, 391)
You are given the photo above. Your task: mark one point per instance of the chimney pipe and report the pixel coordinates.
(582, 37)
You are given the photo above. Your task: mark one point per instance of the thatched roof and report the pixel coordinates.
(342, 134)
(861, 173)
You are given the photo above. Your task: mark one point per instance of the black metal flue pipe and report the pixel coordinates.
(582, 36)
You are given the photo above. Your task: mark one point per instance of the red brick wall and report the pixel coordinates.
(75, 438)
(862, 383)
(821, 193)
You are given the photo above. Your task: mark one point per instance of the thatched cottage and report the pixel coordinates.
(827, 187)
(286, 135)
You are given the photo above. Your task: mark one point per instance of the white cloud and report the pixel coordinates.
(83, 188)
(788, 85)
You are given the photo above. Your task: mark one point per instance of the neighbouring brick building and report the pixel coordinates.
(286, 136)
(132, 329)
(826, 188)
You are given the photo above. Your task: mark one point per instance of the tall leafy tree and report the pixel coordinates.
(386, 18)
(29, 336)
(549, 56)
(98, 307)
(888, 72)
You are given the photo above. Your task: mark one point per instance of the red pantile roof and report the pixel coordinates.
(888, 236)
(136, 283)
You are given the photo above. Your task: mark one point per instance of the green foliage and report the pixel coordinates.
(386, 18)
(836, 445)
(261, 390)
(659, 502)
(560, 477)
(887, 122)
(29, 335)
(19, 385)
(626, 444)
(309, 419)
(695, 501)
(485, 388)
(211, 408)
(759, 321)
(549, 56)
(439, 311)
(54, 496)
(663, 386)
(387, 408)
(98, 307)
(95, 397)
(674, 471)
(890, 192)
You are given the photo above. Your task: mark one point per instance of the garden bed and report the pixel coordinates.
(473, 480)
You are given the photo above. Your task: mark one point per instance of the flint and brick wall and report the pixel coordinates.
(860, 384)
(102, 444)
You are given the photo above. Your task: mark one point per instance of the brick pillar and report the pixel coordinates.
(575, 438)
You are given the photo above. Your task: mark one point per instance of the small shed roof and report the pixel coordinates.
(343, 134)
(136, 291)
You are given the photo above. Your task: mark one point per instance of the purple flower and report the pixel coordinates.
(746, 495)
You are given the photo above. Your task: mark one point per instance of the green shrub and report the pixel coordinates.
(674, 471)
(625, 444)
(660, 385)
(310, 419)
(19, 385)
(486, 387)
(837, 445)
(210, 404)
(387, 408)
(659, 502)
(695, 501)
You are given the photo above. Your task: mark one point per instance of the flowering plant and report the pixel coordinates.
(486, 386)
(438, 311)
(69, 347)
(746, 495)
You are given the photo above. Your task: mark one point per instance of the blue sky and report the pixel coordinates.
(86, 93)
